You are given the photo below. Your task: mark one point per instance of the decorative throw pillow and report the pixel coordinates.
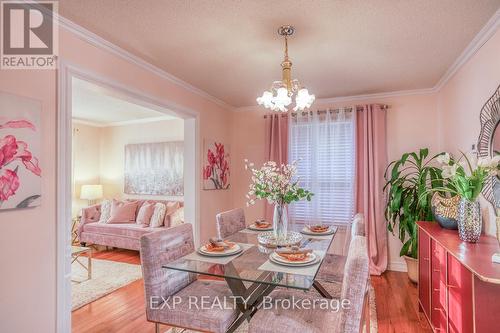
(122, 211)
(177, 217)
(171, 207)
(158, 215)
(105, 211)
(145, 212)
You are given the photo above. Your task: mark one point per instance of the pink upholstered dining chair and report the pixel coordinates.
(331, 268)
(230, 222)
(348, 320)
(161, 285)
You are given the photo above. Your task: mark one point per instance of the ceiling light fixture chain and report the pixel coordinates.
(281, 92)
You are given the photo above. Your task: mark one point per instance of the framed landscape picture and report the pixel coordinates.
(20, 173)
(216, 166)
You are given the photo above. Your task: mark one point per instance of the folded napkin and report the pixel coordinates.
(318, 227)
(293, 250)
(216, 244)
(262, 223)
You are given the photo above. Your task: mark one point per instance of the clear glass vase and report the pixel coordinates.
(469, 220)
(280, 221)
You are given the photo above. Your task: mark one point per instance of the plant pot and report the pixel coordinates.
(469, 220)
(412, 266)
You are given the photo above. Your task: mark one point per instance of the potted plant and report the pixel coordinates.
(465, 177)
(408, 181)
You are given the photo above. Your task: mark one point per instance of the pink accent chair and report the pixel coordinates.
(230, 222)
(163, 287)
(350, 320)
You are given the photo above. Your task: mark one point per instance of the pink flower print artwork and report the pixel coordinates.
(215, 166)
(20, 172)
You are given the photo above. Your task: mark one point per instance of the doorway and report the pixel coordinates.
(68, 75)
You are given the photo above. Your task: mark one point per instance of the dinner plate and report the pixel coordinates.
(313, 259)
(306, 231)
(231, 252)
(255, 228)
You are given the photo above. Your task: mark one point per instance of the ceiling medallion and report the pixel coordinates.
(281, 92)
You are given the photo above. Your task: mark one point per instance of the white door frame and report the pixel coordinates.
(191, 117)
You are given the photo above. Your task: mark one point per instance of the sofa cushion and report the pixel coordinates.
(145, 213)
(123, 211)
(132, 230)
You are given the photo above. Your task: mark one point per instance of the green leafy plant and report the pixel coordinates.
(408, 181)
(466, 176)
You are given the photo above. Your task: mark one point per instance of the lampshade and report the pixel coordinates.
(91, 192)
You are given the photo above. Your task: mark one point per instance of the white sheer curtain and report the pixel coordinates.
(324, 146)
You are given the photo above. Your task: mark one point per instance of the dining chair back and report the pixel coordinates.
(357, 229)
(158, 249)
(230, 222)
(354, 286)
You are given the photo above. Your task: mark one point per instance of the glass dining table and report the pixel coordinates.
(251, 275)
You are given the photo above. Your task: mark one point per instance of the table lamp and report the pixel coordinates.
(91, 193)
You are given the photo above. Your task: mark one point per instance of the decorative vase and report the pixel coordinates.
(280, 221)
(469, 220)
(445, 210)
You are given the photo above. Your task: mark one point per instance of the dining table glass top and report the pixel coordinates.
(253, 264)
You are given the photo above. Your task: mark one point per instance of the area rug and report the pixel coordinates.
(333, 289)
(107, 276)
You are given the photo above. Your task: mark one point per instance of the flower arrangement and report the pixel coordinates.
(466, 176)
(278, 184)
(217, 168)
(14, 153)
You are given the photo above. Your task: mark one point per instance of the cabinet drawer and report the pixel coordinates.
(439, 302)
(459, 297)
(424, 272)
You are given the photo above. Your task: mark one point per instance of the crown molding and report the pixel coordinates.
(101, 43)
(124, 122)
(475, 45)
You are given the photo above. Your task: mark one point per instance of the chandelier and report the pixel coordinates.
(279, 97)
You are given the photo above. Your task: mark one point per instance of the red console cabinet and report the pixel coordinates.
(459, 286)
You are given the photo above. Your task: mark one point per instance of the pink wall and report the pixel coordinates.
(28, 237)
(463, 96)
(460, 102)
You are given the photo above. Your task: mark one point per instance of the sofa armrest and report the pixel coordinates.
(89, 214)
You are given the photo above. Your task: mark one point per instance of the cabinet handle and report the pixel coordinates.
(427, 259)
(452, 286)
(437, 289)
(436, 270)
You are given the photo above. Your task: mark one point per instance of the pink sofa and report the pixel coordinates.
(121, 235)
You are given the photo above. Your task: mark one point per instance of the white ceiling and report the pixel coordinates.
(230, 49)
(102, 107)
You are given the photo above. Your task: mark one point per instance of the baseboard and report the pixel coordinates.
(397, 266)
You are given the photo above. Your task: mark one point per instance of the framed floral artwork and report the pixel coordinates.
(216, 166)
(20, 173)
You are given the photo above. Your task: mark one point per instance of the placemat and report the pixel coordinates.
(307, 270)
(217, 260)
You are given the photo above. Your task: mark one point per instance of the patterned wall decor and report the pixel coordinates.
(20, 173)
(215, 165)
(154, 168)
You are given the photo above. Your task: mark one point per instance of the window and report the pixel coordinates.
(324, 146)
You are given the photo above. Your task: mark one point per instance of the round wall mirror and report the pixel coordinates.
(489, 143)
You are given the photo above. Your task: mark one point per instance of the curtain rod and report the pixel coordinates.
(337, 110)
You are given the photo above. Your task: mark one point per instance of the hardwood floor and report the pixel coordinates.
(124, 311)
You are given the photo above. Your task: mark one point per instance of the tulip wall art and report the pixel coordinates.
(20, 173)
(215, 166)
